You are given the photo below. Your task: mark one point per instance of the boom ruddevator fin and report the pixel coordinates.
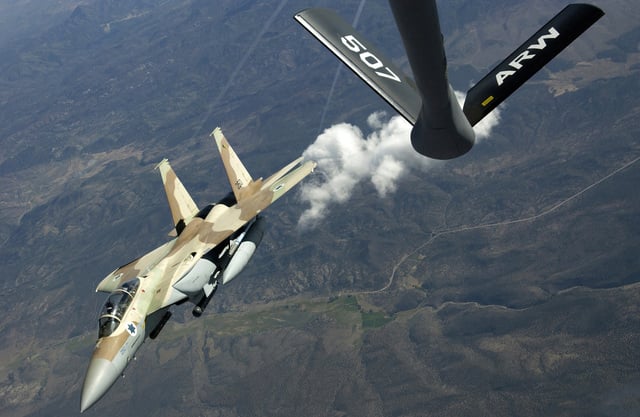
(441, 129)
(528, 59)
(363, 59)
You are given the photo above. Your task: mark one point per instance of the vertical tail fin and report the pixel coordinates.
(241, 182)
(182, 206)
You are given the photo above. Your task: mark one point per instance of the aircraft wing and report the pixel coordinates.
(223, 221)
(202, 235)
(249, 191)
(135, 268)
(167, 264)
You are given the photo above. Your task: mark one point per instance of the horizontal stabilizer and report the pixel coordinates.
(363, 59)
(530, 57)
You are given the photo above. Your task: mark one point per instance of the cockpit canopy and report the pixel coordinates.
(115, 307)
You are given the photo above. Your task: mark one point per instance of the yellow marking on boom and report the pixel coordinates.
(487, 101)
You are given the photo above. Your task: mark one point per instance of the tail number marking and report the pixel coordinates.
(369, 59)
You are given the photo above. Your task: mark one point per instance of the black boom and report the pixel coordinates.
(441, 130)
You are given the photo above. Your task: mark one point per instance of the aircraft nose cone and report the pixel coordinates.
(100, 376)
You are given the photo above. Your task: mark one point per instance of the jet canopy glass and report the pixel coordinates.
(115, 307)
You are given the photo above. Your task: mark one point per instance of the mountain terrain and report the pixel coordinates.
(501, 283)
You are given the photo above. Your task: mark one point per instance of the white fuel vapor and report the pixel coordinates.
(346, 157)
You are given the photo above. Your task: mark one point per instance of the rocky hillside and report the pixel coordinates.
(502, 283)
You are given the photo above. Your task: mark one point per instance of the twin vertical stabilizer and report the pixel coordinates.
(241, 182)
(182, 206)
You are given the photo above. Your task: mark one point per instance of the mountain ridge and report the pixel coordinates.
(530, 318)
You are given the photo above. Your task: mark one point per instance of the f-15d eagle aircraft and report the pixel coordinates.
(442, 129)
(212, 245)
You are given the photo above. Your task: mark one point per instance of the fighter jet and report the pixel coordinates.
(212, 246)
(442, 130)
